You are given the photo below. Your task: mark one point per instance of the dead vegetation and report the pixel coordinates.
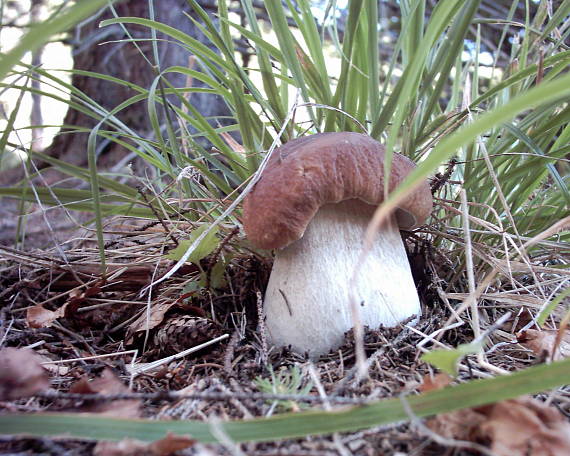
(99, 335)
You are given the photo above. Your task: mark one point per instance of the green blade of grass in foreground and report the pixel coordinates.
(292, 425)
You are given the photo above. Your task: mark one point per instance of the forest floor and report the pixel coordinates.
(105, 336)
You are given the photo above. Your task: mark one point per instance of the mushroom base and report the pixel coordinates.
(307, 302)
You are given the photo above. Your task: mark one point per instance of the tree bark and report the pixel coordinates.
(123, 60)
(106, 51)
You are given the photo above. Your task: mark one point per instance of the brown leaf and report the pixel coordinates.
(147, 322)
(543, 342)
(435, 382)
(170, 444)
(108, 383)
(519, 321)
(39, 317)
(517, 427)
(130, 447)
(125, 447)
(133, 278)
(78, 297)
(461, 424)
(21, 373)
(526, 426)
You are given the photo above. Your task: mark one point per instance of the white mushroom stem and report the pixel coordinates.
(307, 302)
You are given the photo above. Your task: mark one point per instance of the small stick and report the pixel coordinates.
(210, 396)
(469, 261)
(159, 218)
(140, 369)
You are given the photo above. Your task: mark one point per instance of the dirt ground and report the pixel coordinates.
(54, 301)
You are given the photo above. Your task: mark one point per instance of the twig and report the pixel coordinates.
(157, 215)
(85, 358)
(140, 369)
(261, 327)
(230, 350)
(469, 261)
(207, 396)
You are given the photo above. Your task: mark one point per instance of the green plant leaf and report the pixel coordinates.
(541, 319)
(202, 250)
(192, 286)
(218, 275)
(448, 360)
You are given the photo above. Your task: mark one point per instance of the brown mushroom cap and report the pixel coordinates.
(308, 172)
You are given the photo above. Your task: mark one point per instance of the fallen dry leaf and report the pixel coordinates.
(170, 444)
(518, 321)
(130, 447)
(40, 317)
(147, 322)
(78, 297)
(460, 425)
(526, 426)
(108, 383)
(21, 373)
(543, 342)
(517, 427)
(435, 382)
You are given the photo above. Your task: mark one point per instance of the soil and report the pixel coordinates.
(56, 302)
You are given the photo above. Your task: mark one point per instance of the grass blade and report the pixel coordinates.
(292, 425)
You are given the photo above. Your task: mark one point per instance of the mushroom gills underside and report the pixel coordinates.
(307, 301)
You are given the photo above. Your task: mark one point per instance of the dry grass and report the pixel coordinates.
(103, 324)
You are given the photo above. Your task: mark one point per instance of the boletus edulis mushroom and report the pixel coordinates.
(312, 204)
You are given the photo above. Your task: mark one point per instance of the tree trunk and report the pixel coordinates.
(104, 50)
(123, 60)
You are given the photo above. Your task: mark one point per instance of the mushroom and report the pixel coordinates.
(313, 203)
